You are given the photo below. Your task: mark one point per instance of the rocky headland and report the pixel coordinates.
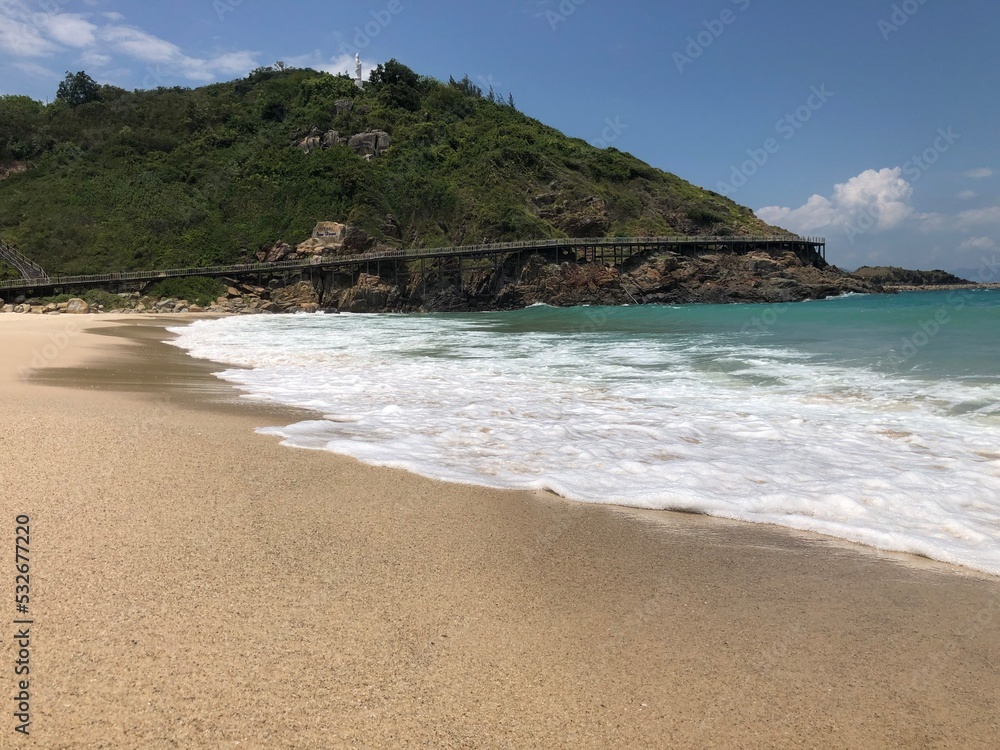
(897, 279)
(521, 280)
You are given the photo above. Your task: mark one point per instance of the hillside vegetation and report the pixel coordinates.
(893, 275)
(105, 179)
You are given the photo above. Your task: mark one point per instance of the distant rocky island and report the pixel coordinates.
(893, 276)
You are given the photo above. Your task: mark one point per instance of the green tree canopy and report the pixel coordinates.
(78, 88)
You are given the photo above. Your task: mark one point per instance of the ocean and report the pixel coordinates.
(871, 418)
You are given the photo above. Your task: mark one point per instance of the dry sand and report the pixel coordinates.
(195, 585)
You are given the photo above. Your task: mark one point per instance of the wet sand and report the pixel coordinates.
(195, 585)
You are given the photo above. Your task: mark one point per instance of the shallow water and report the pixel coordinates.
(871, 418)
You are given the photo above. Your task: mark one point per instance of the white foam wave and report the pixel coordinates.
(697, 422)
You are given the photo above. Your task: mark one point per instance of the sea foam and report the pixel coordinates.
(651, 408)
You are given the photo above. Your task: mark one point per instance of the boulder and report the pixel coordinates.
(329, 230)
(312, 246)
(369, 294)
(332, 138)
(77, 306)
(343, 105)
(309, 144)
(370, 144)
(280, 251)
(294, 296)
(8, 308)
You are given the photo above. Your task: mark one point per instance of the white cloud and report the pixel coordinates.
(883, 196)
(979, 216)
(234, 62)
(22, 39)
(343, 63)
(140, 45)
(26, 31)
(931, 222)
(979, 174)
(94, 59)
(37, 71)
(978, 243)
(966, 195)
(70, 29)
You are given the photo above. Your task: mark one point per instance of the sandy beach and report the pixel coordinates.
(196, 585)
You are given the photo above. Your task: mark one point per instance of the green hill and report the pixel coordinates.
(106, 179)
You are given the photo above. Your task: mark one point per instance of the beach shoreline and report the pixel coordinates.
(202, 583)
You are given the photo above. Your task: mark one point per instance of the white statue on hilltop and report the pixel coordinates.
(357, 71)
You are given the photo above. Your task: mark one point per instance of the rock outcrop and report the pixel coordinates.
(371, 144)
(662, 278)
(368, 145)
(301, 296)
(369, 293)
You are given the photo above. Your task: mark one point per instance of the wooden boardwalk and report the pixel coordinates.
(613, 251)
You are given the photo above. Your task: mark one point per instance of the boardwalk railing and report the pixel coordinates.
(24, 266)
(636, 244)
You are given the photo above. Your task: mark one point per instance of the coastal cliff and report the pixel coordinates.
(666, 278)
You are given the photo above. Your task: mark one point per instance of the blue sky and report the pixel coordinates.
(875, 124)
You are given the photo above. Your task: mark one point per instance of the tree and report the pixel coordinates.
(393, 72)
(397, 84)
(78, 88)
(19, 124)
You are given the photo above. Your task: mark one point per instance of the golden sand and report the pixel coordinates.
(196, 585)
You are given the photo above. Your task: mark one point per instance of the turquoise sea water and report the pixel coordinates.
(871, 418)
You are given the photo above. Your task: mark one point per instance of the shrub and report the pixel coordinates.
(199, 290)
